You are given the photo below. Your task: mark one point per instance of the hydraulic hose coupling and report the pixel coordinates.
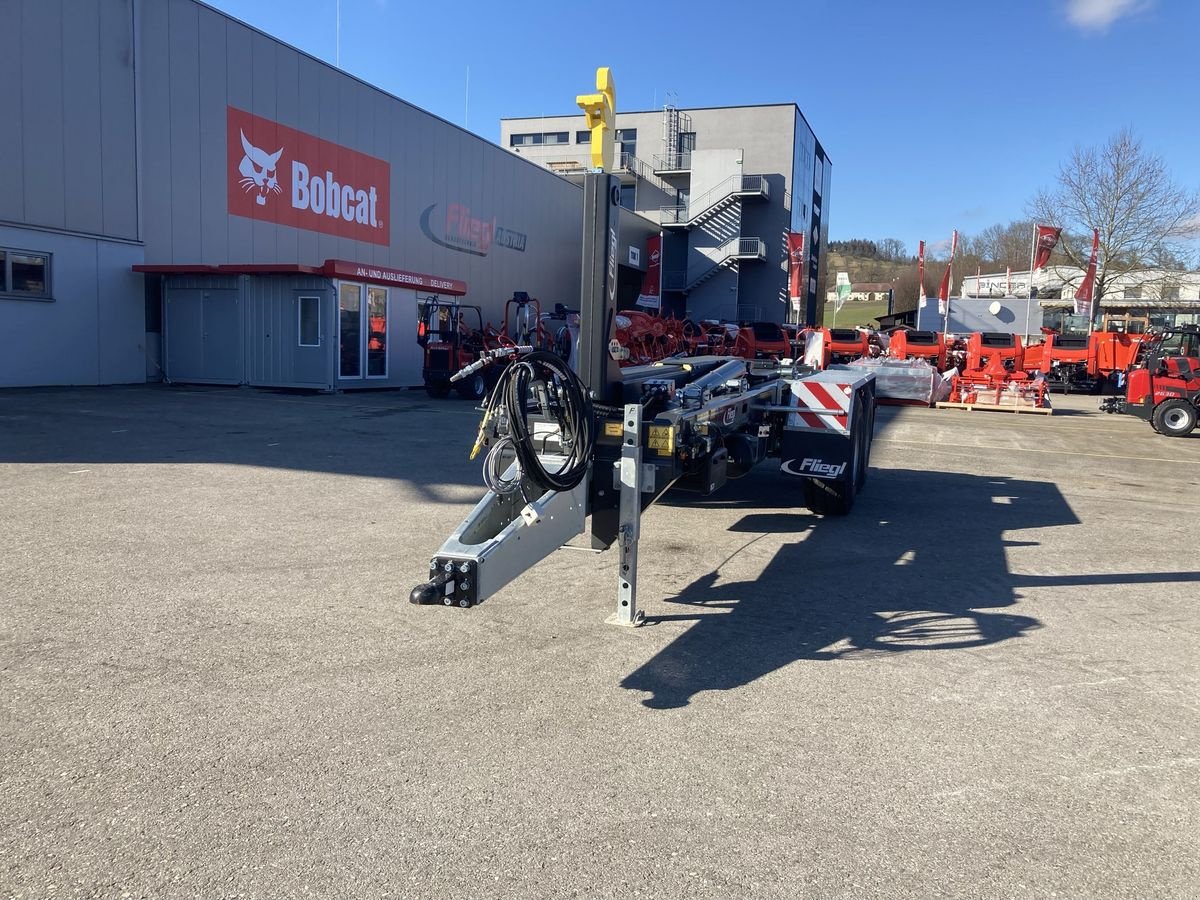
(488, 357)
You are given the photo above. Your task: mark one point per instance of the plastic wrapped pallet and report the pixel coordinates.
(905, 380)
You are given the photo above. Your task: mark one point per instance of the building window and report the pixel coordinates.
(25, 274)
(687, 143)
(628, 195)
(1171, 293)
(555, 137)
(521, 140)
(583, 137)
(1132, 294)
(627, 138)
(309, 314)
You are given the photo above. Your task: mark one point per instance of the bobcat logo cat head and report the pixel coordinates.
(258, 171)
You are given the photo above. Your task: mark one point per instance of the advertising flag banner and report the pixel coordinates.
(650, 295)
(1083, 296)
(944, 289)
(921, 273)
(1046, 241)
(795, 249)
(843, 288)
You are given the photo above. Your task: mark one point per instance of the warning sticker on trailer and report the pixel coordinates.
(662, 439)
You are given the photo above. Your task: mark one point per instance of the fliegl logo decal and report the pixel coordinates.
(814, 468)
(459, 229)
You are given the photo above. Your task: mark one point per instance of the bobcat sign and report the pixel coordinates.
(277, 174)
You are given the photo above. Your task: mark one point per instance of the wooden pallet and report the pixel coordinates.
(1044, 410)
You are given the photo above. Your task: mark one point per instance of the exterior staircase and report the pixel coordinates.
(729, 256)
(735, 189)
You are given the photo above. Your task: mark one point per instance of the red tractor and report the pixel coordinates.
(1165, 387)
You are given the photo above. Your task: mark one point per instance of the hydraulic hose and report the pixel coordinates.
(559, 395)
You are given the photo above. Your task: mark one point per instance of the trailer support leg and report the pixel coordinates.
(630, 522)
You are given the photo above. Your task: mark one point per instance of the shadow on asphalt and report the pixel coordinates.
(401, 435)
(919, 564)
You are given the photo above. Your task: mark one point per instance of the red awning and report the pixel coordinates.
(333, 268)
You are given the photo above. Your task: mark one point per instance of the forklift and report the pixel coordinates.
(1164, 389)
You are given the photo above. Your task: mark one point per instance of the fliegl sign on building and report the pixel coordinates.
(277, 174)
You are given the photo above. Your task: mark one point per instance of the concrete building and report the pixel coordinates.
(1164, 297)
(725, 184)
(182, 194)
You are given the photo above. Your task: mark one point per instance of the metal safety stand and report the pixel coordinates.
(630, 522)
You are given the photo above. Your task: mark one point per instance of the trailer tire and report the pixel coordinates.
(867, 410)
(1174, 418)
(836, 498)
(473, 387)
(438, 390)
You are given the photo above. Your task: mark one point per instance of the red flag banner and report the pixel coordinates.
(795, 248)
(1047, 240)
(650, 295)
(921, 272)
(1083, 296)
(944, 289)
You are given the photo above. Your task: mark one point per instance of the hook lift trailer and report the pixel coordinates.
(565, 444)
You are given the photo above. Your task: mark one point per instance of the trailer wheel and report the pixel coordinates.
(864, 441)
(1174, 418)
(437, 389)
(472, 388)
(836, 498)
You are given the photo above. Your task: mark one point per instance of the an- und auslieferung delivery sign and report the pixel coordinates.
(277, 174)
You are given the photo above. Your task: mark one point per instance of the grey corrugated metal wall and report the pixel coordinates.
(68, 149)
(196, 62)
(272, 345)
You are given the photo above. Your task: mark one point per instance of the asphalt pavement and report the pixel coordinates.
(984, 682)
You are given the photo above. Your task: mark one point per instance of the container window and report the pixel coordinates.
(310, 321)
(377, 332)
(350, 330)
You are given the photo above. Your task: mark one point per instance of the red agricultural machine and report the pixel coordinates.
(994, 377)
(927, 345)
(1164, 389)
(1084, 362)
(454, 337)
(842, 345)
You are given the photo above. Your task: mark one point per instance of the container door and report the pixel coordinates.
(183, 355)
(222, 337)
(203, 336)
(310, 364)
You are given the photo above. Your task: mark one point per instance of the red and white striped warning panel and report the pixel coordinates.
(823, 406)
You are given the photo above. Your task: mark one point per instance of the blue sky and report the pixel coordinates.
(936, 115)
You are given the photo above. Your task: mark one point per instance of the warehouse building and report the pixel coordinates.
(185, 196)
(725, 184)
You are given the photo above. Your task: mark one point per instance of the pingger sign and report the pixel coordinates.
(277, 174)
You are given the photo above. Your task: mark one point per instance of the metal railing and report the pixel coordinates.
(679, 161)
(747, 248)
(738, 248)
(735, 186)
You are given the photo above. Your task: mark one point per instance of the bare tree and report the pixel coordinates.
(1001, 246)
(892, 249)
(1144, 218)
